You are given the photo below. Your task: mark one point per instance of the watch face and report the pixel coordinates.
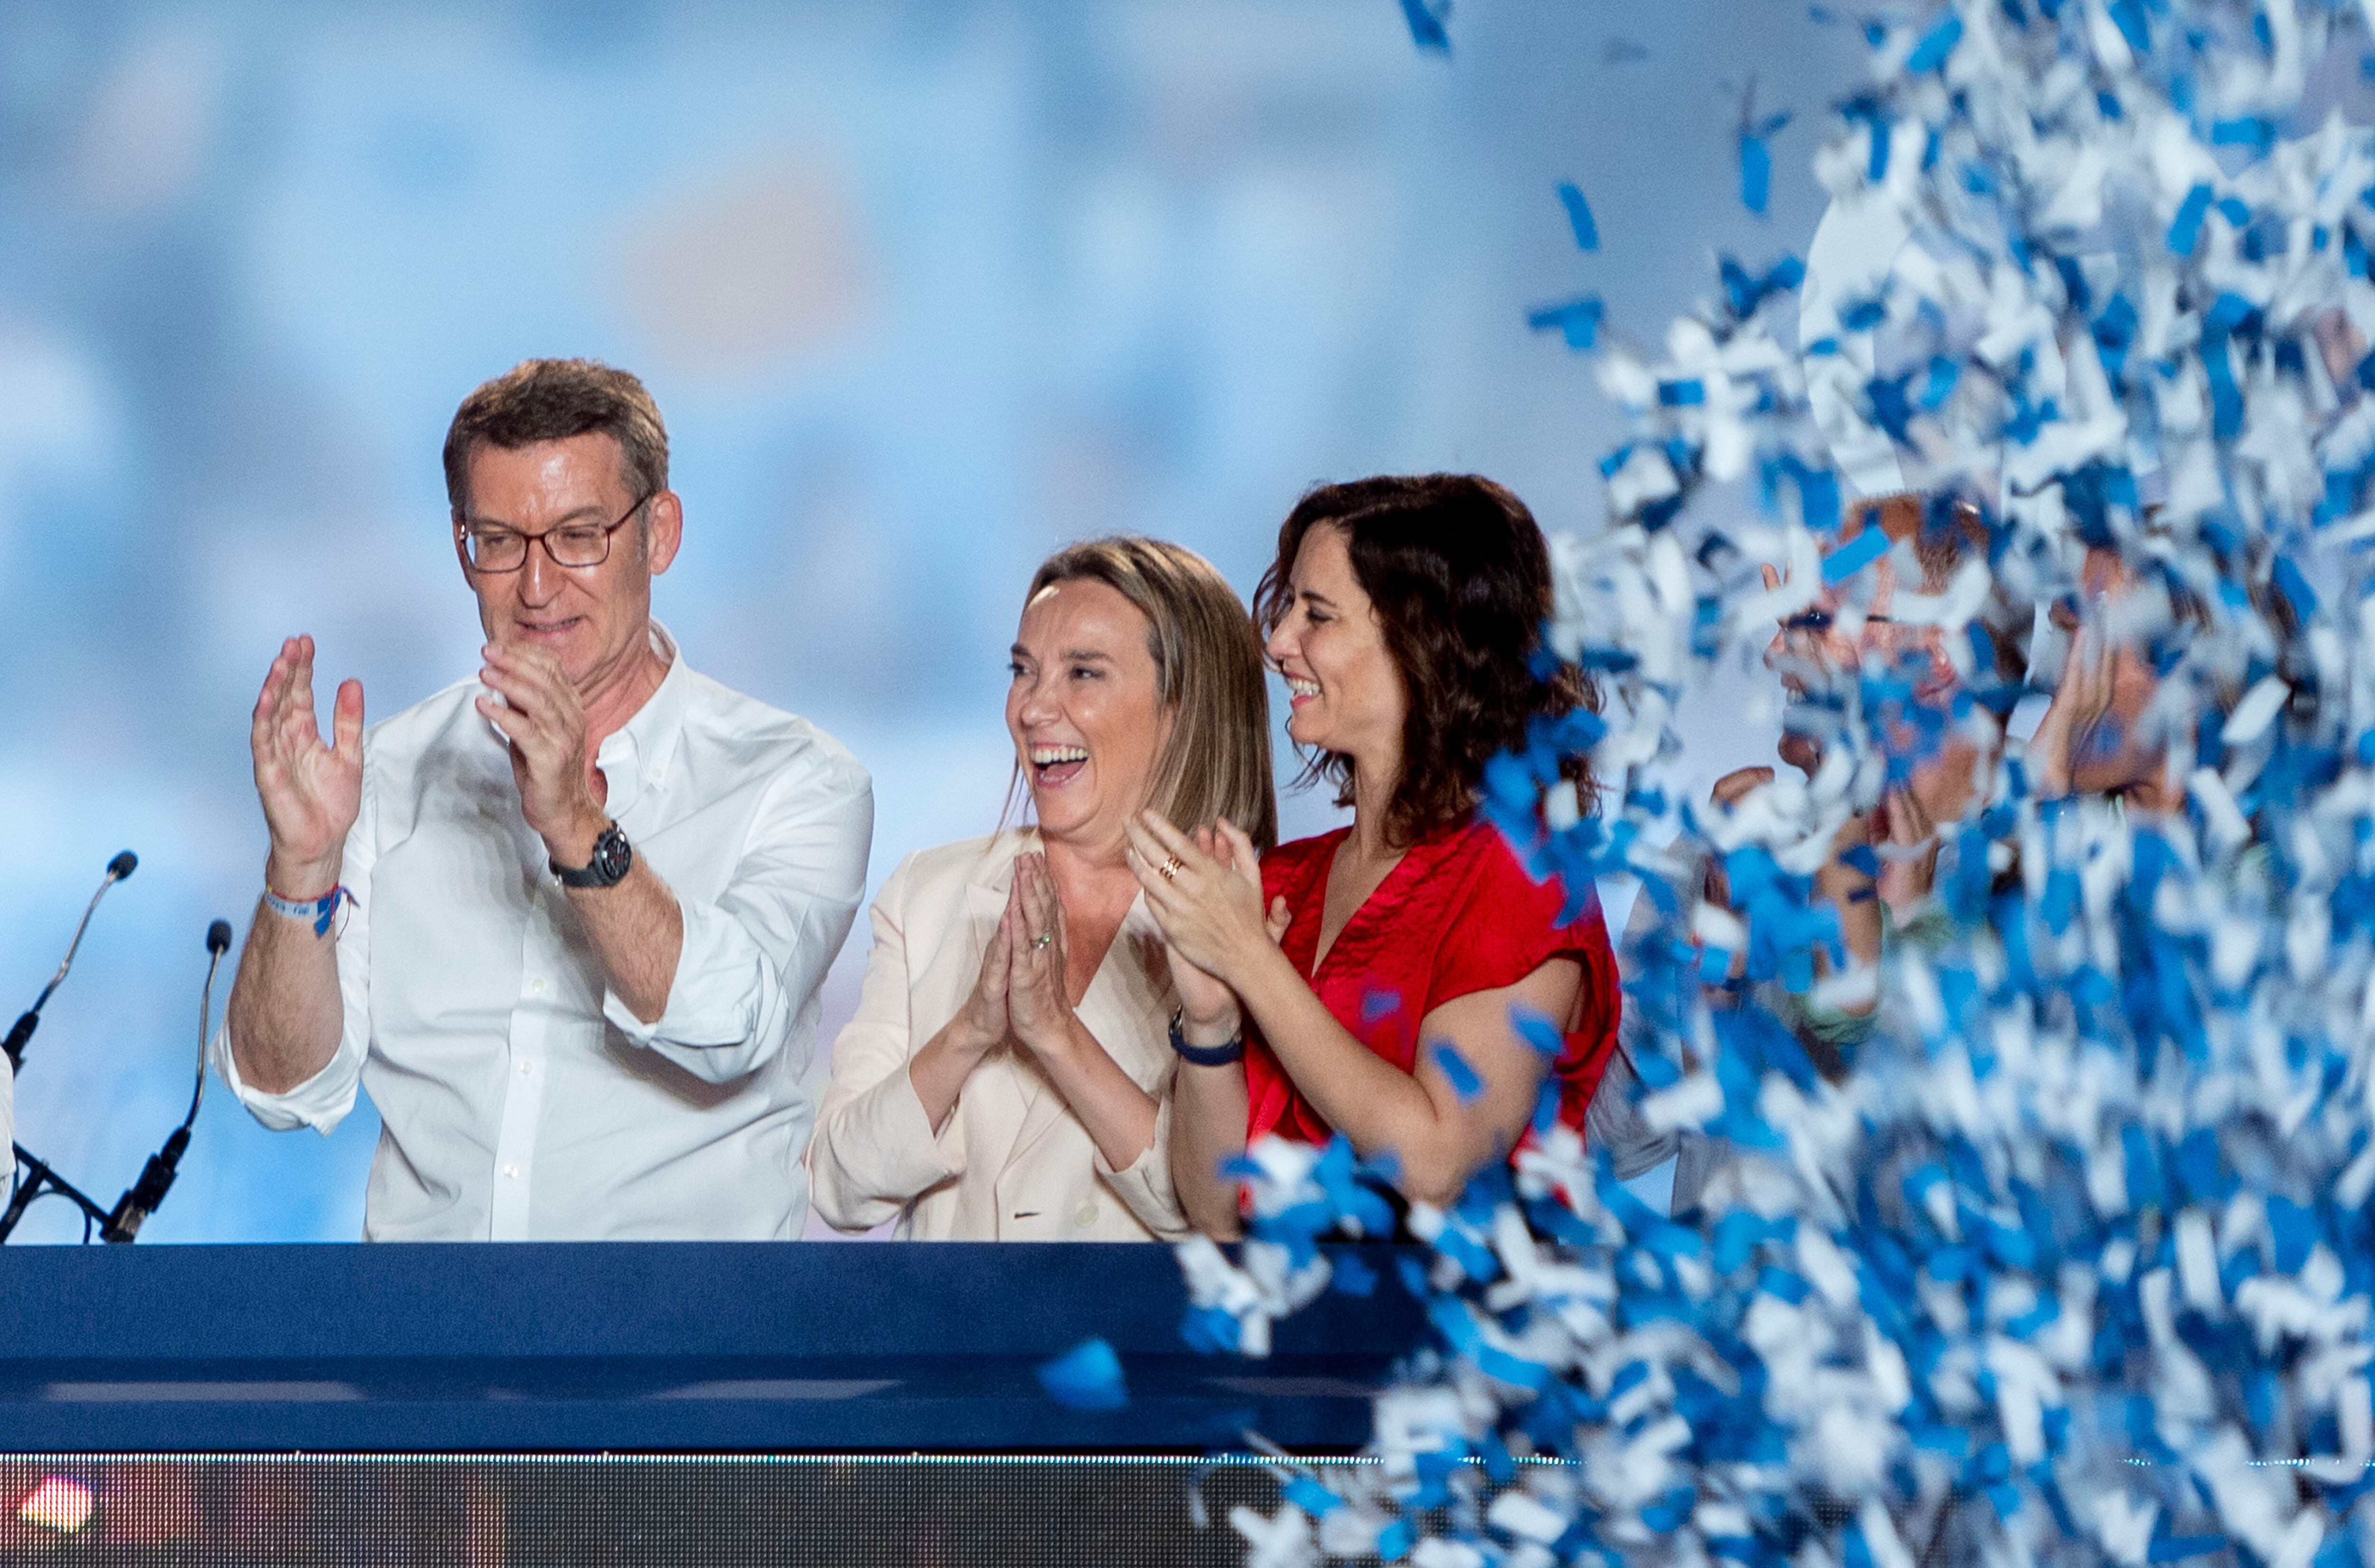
(612, 855)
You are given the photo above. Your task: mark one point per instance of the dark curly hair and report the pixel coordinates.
(1460, 579)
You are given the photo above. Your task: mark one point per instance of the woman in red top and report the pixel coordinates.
(1378, 995)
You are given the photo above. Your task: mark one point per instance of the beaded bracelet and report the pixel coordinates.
(318, 911)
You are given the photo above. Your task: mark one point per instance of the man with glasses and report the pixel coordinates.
(566, 921)
(1883, 869)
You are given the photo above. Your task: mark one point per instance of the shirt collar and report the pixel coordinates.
(635, 756)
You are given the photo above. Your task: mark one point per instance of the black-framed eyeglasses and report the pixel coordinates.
(1818, 621)
(488, 548)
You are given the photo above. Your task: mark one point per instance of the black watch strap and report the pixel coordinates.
(613, 858)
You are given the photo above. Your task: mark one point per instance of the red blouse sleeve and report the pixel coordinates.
(1507, 927)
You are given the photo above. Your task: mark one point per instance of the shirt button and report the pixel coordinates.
(1086, 1217)
(536, 984)
(511, 1171)
(526, 1067)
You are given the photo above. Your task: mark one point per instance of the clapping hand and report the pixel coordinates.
(1205, 895)
(980, 1025)
(1032, 928)
(542, 717)
(312, 792)
(2087, 742)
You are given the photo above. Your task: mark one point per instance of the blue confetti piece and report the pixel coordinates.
(2128, 18)
(1939, 43)
(1755, 173)
(1310, 1496)
(2185, 228)
(1426, 26)
(1454, 1067)
(1579, 215)
(1086, 1377)
(1855, 555)
(1578, 321)
(1208, 1331)
(1379, 1005)
(1755, 156)
(1744, 292)
(2294, 585)
(2249, 131)
(1536, 1029)
(1940, 383)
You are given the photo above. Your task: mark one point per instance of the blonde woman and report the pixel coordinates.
(1007, 1074)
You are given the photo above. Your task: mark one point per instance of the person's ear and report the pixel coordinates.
(663, 528)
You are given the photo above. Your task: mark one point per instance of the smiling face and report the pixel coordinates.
(1344, 691)
(1085, 709)
(594, 620)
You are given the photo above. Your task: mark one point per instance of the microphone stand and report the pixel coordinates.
(44, 1179)
(41, 1179)
(21, 1031)
(43, 1182)
(142, 1199)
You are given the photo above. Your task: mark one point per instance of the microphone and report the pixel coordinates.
(19, 1033)
(147, 1194)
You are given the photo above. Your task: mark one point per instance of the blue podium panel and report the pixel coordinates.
(929, 1347)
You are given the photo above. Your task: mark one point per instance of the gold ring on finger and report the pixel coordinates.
(1170, 867)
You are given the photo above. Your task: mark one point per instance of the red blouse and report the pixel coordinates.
(1458, 915)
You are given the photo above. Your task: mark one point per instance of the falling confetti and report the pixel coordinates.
(2044, 1235)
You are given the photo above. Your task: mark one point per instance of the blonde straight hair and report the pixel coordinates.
(1207, 674)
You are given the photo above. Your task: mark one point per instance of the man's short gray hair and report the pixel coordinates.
(539, 400)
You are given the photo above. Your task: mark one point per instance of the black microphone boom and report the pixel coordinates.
(145, 1196)
(21, 1031)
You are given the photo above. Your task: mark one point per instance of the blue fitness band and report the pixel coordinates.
(1207, 1055)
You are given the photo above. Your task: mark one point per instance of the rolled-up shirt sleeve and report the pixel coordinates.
(754, 956)
(874, 1149)
(323, 1100)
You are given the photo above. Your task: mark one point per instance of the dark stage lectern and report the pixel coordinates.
(665, 1402)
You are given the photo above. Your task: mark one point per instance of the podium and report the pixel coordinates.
(806, 1397)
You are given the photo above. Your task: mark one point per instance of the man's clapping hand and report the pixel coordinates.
(543, 718)
(311, 792)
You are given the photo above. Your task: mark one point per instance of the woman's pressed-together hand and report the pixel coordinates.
(1037, 1000)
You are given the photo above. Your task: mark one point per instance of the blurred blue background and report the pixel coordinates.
(923, 290)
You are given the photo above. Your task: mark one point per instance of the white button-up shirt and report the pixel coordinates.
(519, 1099)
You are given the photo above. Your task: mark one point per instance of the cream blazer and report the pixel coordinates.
(1013, 1161)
